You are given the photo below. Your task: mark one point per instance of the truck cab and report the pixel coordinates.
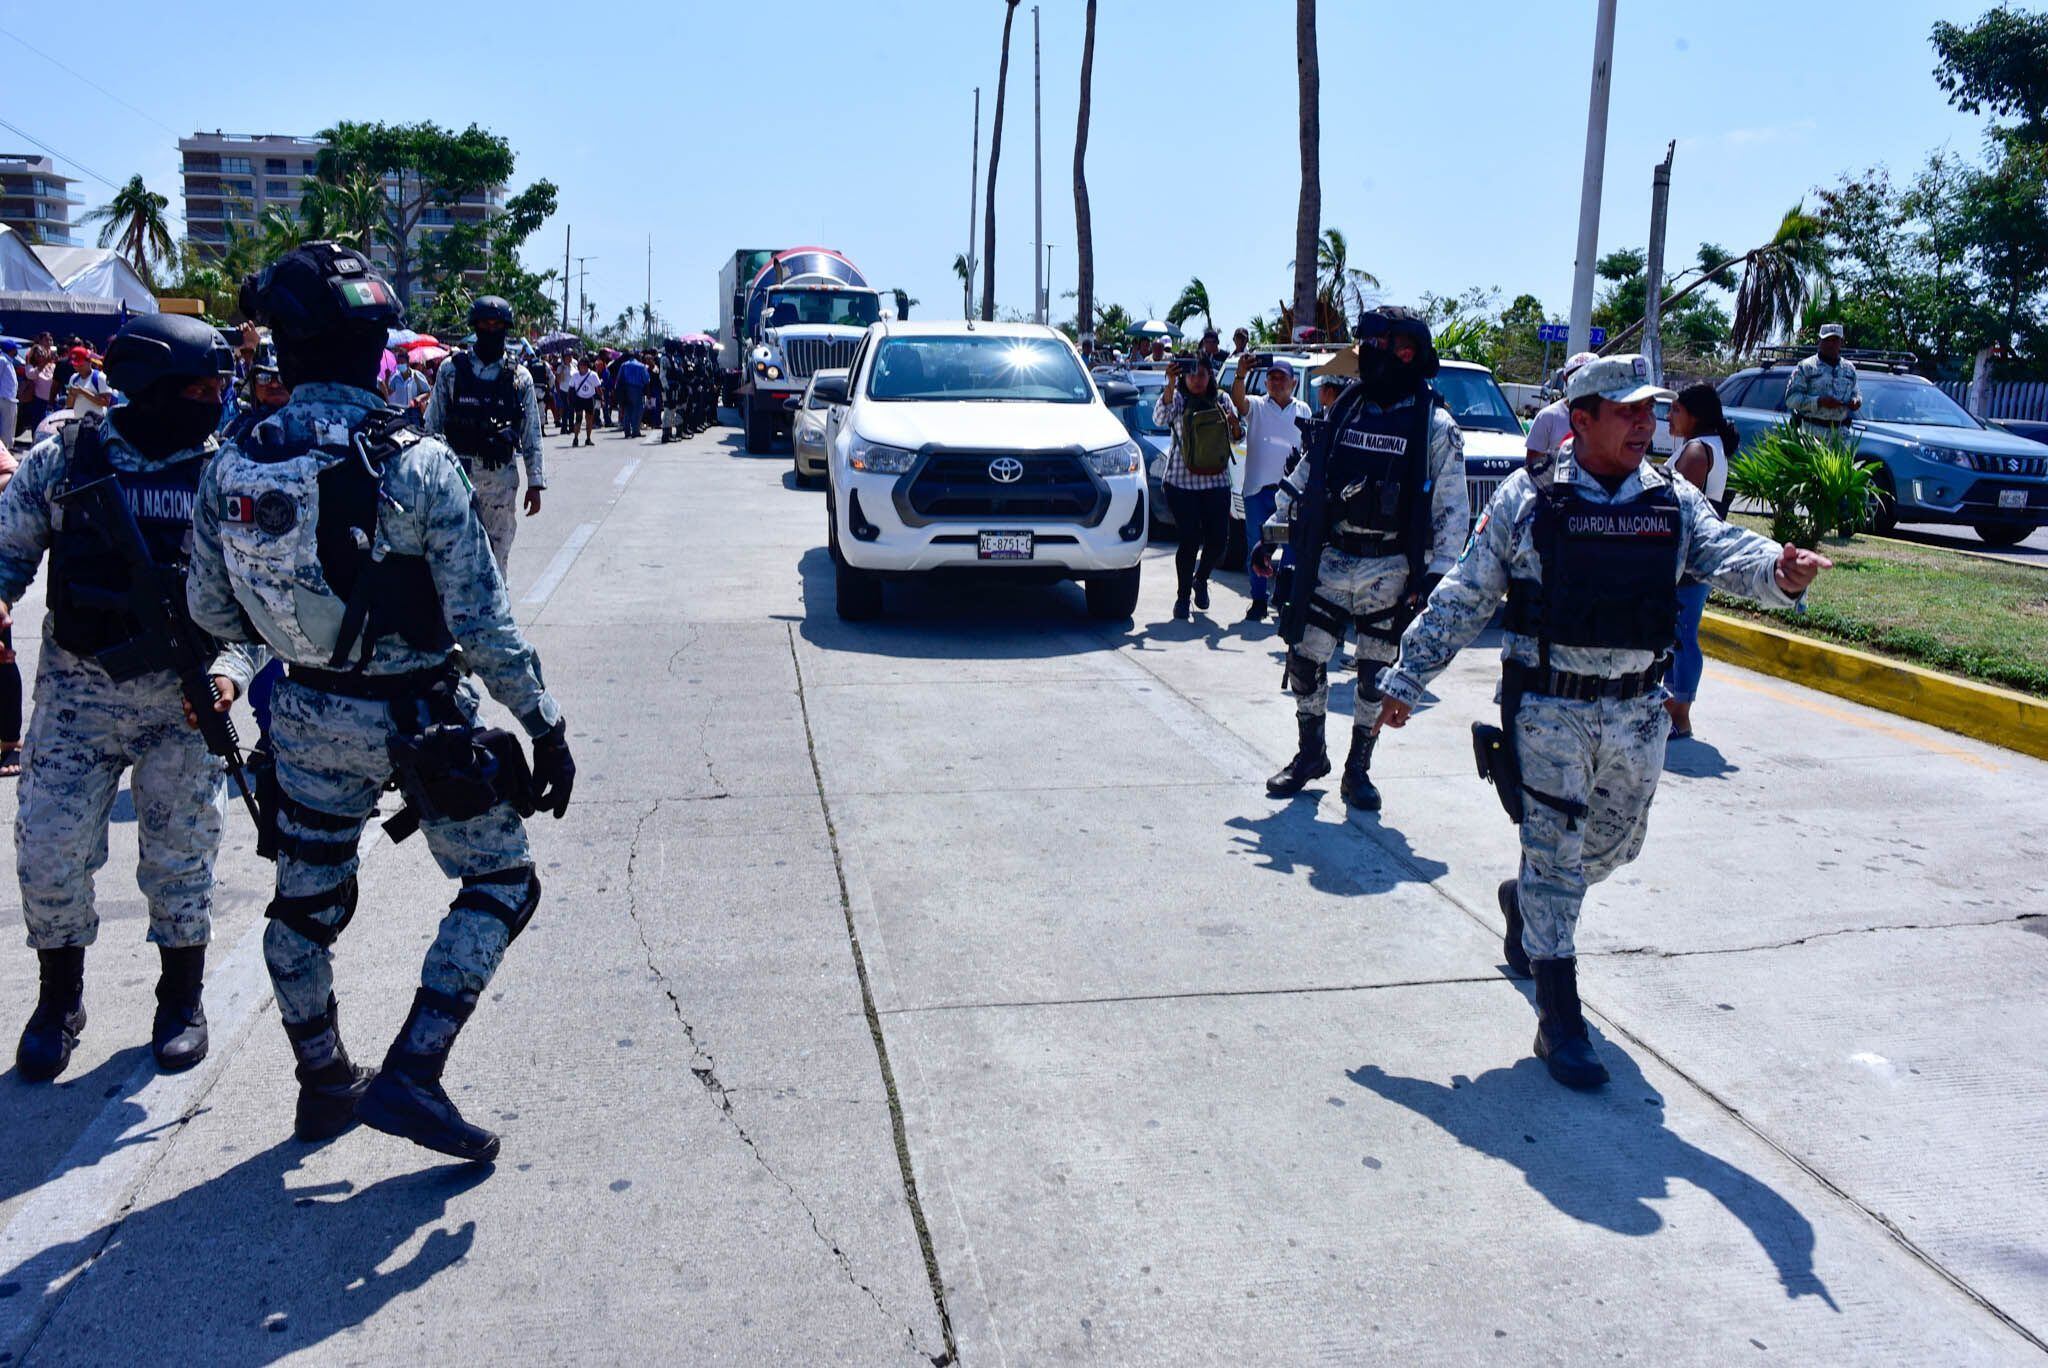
(807, 325)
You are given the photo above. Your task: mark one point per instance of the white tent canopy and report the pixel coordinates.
(20, 270)
(97, 273)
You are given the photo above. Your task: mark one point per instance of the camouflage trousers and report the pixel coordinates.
(85, 731)
(1352, 593)
(331, 764)
(497, 506)
(1606, 755)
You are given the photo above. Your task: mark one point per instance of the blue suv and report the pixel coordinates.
(1939, 464)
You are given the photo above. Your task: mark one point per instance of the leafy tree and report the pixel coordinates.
(134, 219)
(482, 257)
(961, 270)
(1194, 299)
(903, 301)
(1340, 286)
(426, 165)
(1113, 324)
(1517, 353)
(1999, 63)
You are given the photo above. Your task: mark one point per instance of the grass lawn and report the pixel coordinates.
(1969, 615)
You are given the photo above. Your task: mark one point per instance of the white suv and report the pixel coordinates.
(982, 448)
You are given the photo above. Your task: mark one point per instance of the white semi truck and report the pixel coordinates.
(782, 315)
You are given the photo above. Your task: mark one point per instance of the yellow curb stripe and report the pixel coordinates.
(2002, 717)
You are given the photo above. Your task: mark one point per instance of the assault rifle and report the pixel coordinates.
(155, 599)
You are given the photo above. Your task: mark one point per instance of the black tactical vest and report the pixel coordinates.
(484, 417)
(1610, 572)
(1379, 469)
(83, 571)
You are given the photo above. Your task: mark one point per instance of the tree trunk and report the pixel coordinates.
(995, 155)
(1980, 381)
(1664, 305)
(1308, 215)
(1084, 228)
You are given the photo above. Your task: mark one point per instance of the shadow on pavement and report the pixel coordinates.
(1294, 838)
(45, 1120)
(1697, 759)
(1602, 1158)
(938, 617)
(247, 1266)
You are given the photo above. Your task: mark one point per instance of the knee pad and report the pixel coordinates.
(473, 898)
(296, 913)
(1305, 676)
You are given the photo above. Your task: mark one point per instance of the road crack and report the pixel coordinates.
(1652, 952)
(704, 1068)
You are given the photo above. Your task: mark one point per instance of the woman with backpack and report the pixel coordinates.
(1197, 478)
(1706, 440)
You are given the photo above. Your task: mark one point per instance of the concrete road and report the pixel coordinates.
(948, 985)
(2032, 551)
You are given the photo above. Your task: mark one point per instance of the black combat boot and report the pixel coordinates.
(1359, 789)
(178, 1036)
(1311, 759)
(1562, 1041)
(1510, 896)
(329, 1083)
(53, 1028)
(407, 1100)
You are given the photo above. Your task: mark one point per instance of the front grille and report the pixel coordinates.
(1479, 493)
(1055, 486)
(807, 355)
(1994, 464)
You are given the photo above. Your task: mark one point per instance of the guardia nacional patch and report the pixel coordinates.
(276, 514)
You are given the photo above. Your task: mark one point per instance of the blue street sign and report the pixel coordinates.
(1597, 337)
(1560, 332)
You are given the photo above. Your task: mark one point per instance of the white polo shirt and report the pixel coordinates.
(1270, 437)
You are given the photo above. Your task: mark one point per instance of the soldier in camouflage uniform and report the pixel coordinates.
(1822, 391)
(1385, 490)
(101, 707)
(1588, 548)
(485, 408)
(349, 543)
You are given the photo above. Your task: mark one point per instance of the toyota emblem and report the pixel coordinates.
(1006, 470)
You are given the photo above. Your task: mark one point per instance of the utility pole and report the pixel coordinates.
(1589, 188)
(1660, 202)
(567, 229)
(1037, 173)
(582, 274)
(647, 313)
(973, 201)
(1045, 292)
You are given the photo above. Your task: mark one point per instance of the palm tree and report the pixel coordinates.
(1308, 214)
(1779, 279)
(1113, 325)
(134, 219)
(1340, 286)
(903, 301)
(282, 230)
(1084, 228)
(961, 269)
(995, 155)
(1194, 299)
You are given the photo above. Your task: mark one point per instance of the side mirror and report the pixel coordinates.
(830, 389)
(1118, 394)
(792, 405)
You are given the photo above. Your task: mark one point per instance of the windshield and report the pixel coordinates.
(1902, 401)
(957, 369)
(1476, 402)
(847, 308)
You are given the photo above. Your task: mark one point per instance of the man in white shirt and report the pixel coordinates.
(1553, 423)
(1271, 439)
(88, 390)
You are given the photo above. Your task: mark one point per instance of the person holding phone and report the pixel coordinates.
(1272, 440)
(1197, 476)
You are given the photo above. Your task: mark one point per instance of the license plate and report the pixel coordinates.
(1006, 545)
(2012, 498)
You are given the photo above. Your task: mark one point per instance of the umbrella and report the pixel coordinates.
(399, 337)
(697, 337)
(421, 340)
(1154, 327)
(431, 351)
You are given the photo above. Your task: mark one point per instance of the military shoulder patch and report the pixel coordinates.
(237, 508)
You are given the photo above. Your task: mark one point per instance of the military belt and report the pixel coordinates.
(373, 688)
(1365, 543)
(1589, 688)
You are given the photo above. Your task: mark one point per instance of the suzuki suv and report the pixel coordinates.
(979, 449)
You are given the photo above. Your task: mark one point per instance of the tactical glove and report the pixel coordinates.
(554, 771)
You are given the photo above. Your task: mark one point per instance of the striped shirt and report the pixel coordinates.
(1166, 413)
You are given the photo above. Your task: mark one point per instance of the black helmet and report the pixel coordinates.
(490, 309)
(1390, 321)
(155, 347)
(319, 288)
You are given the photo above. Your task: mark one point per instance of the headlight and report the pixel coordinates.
(1949, 456)
(1121, 459)
(876, 459)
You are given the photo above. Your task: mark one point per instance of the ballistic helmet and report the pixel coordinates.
(319, 289)
(158, 347)
(490, 309)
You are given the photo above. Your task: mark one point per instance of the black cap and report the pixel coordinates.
(154, 347)
(319, 288)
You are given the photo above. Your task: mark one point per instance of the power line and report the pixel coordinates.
(30, 137)
(88, 80)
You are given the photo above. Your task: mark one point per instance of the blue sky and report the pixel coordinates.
(1452, 133)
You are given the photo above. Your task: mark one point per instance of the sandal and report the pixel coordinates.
(10, 762)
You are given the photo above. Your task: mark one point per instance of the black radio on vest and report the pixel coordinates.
(88, 578)
(483, 420)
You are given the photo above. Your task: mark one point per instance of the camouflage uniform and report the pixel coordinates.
(1814, 380)
(331, 756)
(497, 491)
(1356, 588)
(86, 729)
(1606, 753)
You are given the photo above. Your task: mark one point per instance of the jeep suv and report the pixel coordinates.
(981, 449)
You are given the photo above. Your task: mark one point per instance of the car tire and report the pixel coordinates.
(1884, 519)
(2002, 535)
(1112, 597)
(858, 592)
(1233, 546)
(759, 431)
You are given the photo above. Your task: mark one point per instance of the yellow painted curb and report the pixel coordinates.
(2003, 717)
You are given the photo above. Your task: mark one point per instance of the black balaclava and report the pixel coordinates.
(1386, 378)
(344, 356)
(161, 422)
(490, 346)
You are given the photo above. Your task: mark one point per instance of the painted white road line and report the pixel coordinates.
(551, 578)
(626, 473)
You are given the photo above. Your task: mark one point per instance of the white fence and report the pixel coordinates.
(2007, 398)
